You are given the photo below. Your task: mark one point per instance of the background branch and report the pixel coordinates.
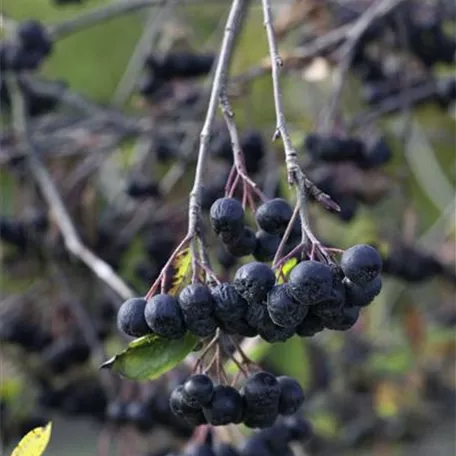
(50, 193)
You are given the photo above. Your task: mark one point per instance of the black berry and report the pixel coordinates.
(274, 216)
(361, 263)
(229, 305)
(266, 246)
(283, 309)
(164, 317)
(291, 396)
(225, 407)
(311, 325)
(178, 406)
(244, 245)
(130, 318)
(358, 296)
(253, 281)
(227, 219)
(198, 390)
(310, 282)
(196, 301)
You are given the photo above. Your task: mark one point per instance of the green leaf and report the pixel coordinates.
(181, 267)
(150, 356)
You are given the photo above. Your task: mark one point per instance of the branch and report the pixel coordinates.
(194, 206)
(219, 77)
(375, 12)
(295, 175)
(50, 193)
(101, 14)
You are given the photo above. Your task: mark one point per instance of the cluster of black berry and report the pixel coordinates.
(262, 399)
(227, 220)
(273, 441)
(175, 65)
(33, 44)
(328, 157)
(252, 146)
(333, 149)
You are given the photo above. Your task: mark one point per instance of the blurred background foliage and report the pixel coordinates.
(401, 343)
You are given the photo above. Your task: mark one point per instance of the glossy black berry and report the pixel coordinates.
(227, 219)
(345, 320)
(283, 309)
(310, 282)
(253, 281)
(164, 317)
(274, 216)
(362, 296)
(361, 263)
(240, 327)
(130, 318)
(225, 407)
(261, 390)
(311, 325)
(244, 245)
(291, 396)
(229, 305)
(180, 408)
(301, 430)
(266, 246)
(333, 305)
(262, 417)
(198, 390)
(258, 317)
(196, 301)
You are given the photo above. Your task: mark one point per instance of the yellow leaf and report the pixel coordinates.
(180, 268)
(34, 442)
(285, 269)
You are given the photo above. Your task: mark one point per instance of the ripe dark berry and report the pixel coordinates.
(266, 246)
(310, 282)
(300, 429)
(333, 305)
(291, 396)
(164, 317)
(143, 188)
(191, 415)
(240, 327)
(345, 320)
(361, 263)
(198, 390)
(201, 327)
(358, 296)
(229, 305)
(33, 35)
(311, 325)
(196, 301)
(283, 309)
(262, 417)
(227, 219)
(258, 317)
(253, 281)
(244, 245)
(130, 318)
(225, 407)
(274, 216)
(261, 390)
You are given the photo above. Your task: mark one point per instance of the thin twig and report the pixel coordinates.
(375, 12)
(50, 193)
(97, 15)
